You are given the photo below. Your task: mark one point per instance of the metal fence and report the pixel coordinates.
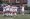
(27, 11)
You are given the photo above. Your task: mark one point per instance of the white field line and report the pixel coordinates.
(8, 18)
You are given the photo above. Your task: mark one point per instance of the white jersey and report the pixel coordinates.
(4, 8)
(13, 9)
(7, 8)
(22, 8)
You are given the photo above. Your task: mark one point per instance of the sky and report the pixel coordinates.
(28, 2)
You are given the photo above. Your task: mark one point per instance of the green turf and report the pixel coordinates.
(17, 17)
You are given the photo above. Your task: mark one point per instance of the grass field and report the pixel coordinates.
(27, 16)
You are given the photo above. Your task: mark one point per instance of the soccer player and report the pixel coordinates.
(23, 10)
(4, 8)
